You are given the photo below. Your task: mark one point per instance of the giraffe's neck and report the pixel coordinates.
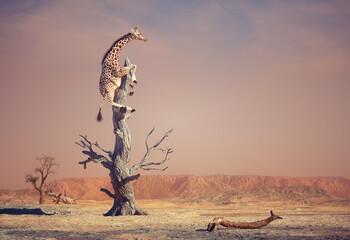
(112, 55)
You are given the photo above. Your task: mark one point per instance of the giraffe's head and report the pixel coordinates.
(137, 35)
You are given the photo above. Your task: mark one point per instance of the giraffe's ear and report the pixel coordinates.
(134, 31)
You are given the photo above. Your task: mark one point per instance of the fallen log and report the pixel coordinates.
(57, 197)
(212, 226)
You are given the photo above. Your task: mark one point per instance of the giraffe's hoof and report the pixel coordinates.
(134, 81)
(132, 86)
(123, 109)
(131, 93)
(133, 110)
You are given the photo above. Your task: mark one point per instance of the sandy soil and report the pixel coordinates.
(171, 219)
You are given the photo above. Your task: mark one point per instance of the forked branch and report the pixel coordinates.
(94, 156)
(153, 165)
(110, 153)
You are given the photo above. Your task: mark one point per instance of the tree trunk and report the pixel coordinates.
(42, 197)
(124, 199)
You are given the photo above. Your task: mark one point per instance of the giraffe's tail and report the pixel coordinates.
(99, 115)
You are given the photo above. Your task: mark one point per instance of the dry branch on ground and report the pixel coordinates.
(212, 226)
(58, 197)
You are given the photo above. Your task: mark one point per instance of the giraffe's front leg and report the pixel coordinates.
(133, 80)
(126, 70)
(133, 75)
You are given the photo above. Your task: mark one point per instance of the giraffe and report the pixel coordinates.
(112, 73)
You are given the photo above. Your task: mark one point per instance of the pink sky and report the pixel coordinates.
(250, 87)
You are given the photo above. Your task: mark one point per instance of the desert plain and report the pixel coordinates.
(307, 212)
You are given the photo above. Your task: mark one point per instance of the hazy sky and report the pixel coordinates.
(250, 87)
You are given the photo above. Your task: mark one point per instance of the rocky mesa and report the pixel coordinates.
(190, 186)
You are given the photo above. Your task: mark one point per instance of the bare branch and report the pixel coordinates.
(110, 153)
(130, 178)
(94, 156)
(166, 158)
(111, 195)
(33, 180)
(106, 164)
(46, 164)
(159, 141)
(81, 144)
(154, 168)
(146, 141)
(145, 166)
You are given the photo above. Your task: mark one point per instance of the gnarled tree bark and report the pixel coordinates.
(117, 160)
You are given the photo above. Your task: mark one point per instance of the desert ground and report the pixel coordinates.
(178, 219)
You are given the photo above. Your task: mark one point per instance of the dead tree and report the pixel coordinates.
(116, 161)
(45, 169)
(212, 226)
